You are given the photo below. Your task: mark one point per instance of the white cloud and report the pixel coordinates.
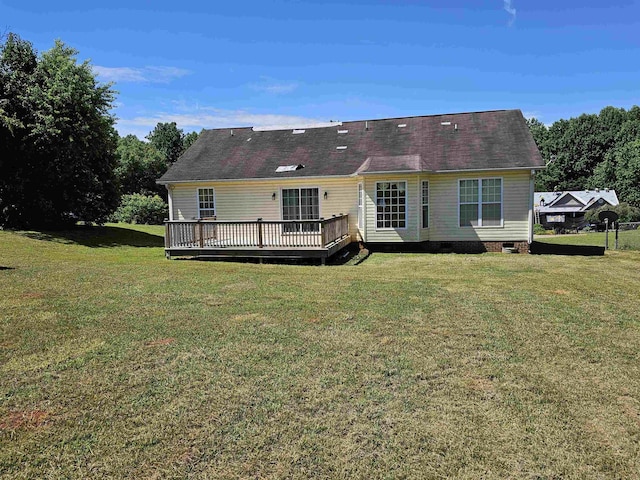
(203, 117)
(274, 87)
(150, 74)
(510, 9)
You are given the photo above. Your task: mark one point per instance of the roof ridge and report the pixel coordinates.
(337, 123)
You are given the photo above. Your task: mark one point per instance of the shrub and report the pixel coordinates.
(539, 229)
(138, 208)
(626, 212)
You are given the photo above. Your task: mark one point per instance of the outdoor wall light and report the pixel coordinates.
(273, 196)
(326, 194)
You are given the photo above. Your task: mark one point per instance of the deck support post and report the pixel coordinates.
(260, 244)
(201, 236)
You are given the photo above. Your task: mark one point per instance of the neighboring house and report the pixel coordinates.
(566, 210)
(461, 182)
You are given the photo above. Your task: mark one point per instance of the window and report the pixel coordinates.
(300, 204)
(391, 205)
(480, 202)
(206, 203)
(425, 204)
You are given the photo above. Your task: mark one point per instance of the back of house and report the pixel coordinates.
(454, 181)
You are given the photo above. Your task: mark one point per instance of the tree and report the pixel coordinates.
(627, 172)
(140, 164)
(626, 213)
(189, 140)
(168, 139)
(58, 138)
(591, 151)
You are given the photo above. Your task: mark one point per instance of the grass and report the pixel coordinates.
(116, 363)
(627, 240)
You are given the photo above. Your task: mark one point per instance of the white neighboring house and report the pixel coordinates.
(567, 209)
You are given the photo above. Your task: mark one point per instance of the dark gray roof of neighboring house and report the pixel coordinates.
(587, 198)
(461, 141)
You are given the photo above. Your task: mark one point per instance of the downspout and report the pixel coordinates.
(170, 200)
(531, 191)
(365, 209)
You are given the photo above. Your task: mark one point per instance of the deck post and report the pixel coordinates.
(200, 233)
(259, 233)
(167, 234)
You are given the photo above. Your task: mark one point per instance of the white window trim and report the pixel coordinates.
(406, 204)
(215, 202)
(480, 179)
(422, 205)
(299, 188)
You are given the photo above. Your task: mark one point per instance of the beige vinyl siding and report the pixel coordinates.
(409, 234)
(444, 208)
(252, 199)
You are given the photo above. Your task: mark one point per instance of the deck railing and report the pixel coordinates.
(202, 234)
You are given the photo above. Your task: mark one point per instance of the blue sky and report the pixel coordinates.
(232, 64)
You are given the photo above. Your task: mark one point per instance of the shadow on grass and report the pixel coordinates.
(99, 237)
(540, 248)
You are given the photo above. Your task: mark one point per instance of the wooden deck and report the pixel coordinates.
(293, 239)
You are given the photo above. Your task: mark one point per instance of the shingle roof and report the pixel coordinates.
(462, 141)
(586, 197)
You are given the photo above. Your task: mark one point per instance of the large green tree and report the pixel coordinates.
(168, 139)
(57, 136)
(591, 151)
(140, 164)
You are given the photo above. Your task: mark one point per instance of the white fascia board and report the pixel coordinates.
(385, 172)
(462, 170)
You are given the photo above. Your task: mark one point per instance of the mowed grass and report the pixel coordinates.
(627, 239)
(116, 363)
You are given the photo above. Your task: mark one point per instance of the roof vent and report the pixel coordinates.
(402, 125)
(289, 168)
(341, 147)
(343, 131)
(445, 124)
(298, 131)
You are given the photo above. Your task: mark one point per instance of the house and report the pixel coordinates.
(453, 182)
(566, 210)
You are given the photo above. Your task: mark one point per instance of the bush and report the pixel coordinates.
(539, 229)
(626, 213)
(137, 208)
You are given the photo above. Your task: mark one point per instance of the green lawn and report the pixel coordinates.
(627, 240)
(117, 363)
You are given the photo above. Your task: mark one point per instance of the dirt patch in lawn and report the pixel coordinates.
(25, 419)
(33, 295)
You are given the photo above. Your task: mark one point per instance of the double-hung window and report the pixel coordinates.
(300, 204)
(391, 205)
(480, 202)
(425, 204)
(206, 203)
